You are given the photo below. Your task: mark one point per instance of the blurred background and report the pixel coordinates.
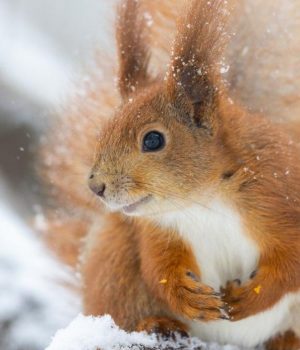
(44, 45)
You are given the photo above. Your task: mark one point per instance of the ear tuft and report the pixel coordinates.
(194, 68)
(132, 48)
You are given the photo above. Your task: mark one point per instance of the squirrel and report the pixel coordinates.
(193, 218)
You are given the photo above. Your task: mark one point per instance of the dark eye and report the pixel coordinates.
(153, 141)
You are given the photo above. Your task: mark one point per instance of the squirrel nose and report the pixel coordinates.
(97, 188)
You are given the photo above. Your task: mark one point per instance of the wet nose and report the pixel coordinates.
(97, 187)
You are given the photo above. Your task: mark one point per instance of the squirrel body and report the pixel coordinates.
(204, 230)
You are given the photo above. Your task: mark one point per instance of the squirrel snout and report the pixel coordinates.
(96, 187)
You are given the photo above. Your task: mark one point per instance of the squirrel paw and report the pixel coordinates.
(162, 326)
(239, 299)
(194, 300)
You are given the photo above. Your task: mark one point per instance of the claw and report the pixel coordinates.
(193, 276)
(224, 314)
(237, 281)
(228, 318)
(230, 308)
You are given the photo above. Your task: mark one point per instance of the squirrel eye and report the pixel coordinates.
(153, 141)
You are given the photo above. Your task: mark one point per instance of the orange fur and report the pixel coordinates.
(132, 49)
(287, 341)
(181, 290)
(133, 268)
(112, 275)
(67, 237)
(163, 326)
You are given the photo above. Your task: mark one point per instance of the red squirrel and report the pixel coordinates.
(200, 227)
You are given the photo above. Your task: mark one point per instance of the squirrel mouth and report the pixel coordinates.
(130, 208)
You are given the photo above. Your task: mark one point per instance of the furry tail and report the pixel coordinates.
(65, 236)
(66, 158)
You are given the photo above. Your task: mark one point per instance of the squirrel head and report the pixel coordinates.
(162, 150)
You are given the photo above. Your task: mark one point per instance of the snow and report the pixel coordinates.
(33, 301)
(93, 333)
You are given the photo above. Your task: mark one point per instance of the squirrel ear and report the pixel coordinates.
(193, 77)
(132, 48)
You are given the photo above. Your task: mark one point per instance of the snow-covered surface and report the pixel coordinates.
(33, 301)
(93, 333)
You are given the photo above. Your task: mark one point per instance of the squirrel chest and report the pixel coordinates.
(220, 244)
(225, 252)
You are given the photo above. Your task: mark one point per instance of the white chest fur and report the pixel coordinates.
(224, 252)
(220, 245)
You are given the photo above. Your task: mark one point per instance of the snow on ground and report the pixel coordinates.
(33, 302)
(93, 333)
